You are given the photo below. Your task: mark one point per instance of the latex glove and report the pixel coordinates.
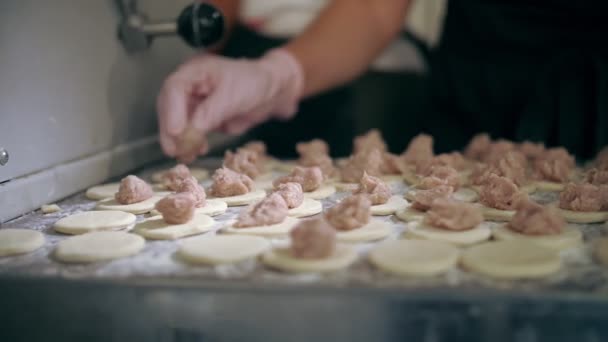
(210, 93)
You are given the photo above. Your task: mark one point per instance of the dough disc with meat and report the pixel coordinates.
(222, 249)
(322, 192)
(511, 260)
(98, 246)
(492, 214)
(155, 228)
(372, 231)
(135, 208)
(418, 230)
(280, 258)
(308, 207)
(569, 237)
(213, 207)
(583, 216)
(414, 257)
(90, 221)
(245, 199)
(15, 241)
(394, 204)
(275, 230)
(409, 214)
(198, 173)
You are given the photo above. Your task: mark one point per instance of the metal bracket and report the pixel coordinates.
(199, 24)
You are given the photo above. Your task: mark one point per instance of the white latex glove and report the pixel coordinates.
(212, 93)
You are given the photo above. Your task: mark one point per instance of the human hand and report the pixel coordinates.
(212, 93)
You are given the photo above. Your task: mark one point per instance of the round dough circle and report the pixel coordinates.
(466, 195)
(155, 228)
(549, 186)
(414, 257)
(322, 192)
(394, 204)
(372, 231)
(418, 230)
(492, 214)
(222, 249)
(343, 186)
(15, 241)
(569, 237)
(213, 207)
(245, 199)
(90, 221)
(103, 191)
(275, 230)
(343, 257)
(196, 172)
(410, 178)
(308, 207)
(583, 216)
(511, 259)
(98, 246)
(600, 250)
(409, 214)
(134, 208)
(391, 179)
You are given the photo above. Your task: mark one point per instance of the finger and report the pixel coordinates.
(237, 127)
(212, 111)
(172, 105)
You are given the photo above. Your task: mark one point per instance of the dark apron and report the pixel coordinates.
(520, 70)
(327, 116)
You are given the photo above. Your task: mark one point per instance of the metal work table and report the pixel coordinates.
(154, 296)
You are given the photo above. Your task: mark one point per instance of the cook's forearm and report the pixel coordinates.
(345, 39)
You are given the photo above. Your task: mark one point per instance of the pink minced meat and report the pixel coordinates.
(243, 161)
(351, 213)
(374, 188)
(532, 150)
(440, 175)
(420, 149)
(561, 154)
(498, 149)
(323, 161)
(453, 215)
(177, 208)
(553, 170)
(583, 197)
(391, 164)
(454, 160)
(534, 219)
(292, 194)
(366, 161)
(478, 147)
(315, 146)
(501, 193)
(133, 190)
(313, 239)
(597, 177)
(370, 140)
(258, 147)
(230, 183)
(173, 177)
(196, 190)
(423, 199)
(310, 178)
(511, 166)
(271, 210)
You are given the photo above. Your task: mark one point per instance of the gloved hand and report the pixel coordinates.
(211, 93)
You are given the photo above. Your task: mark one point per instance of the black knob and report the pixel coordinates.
(200, 24)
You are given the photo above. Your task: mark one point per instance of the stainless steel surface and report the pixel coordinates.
(68, 89)
(156, 296)
(135, 30)
(4, 156)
